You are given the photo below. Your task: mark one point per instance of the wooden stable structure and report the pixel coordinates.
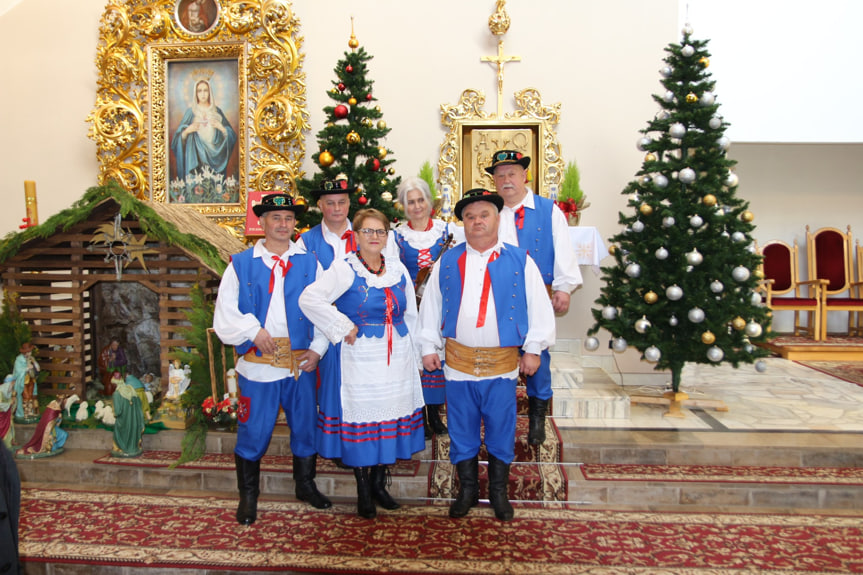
(108, 236)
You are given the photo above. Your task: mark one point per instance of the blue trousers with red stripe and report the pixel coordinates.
(469, 405)
(297, 398)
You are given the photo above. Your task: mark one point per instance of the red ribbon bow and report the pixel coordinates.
(519, 217)
(280, 264)
(350, 241)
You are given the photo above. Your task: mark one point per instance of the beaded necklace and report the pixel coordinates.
(371, 271)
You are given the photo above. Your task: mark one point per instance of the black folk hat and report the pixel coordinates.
(478, 195)
(504, 157)
(337, 186)
(273, 202)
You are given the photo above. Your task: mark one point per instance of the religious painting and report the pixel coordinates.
(481, 142)
(203, 117)
(197, 16)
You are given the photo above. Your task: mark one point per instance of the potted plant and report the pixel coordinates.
(571, 200)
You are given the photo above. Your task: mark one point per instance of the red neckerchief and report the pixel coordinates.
(428, 225)
(486, 286)
(284, 267)
(519, 217)
(350, 241)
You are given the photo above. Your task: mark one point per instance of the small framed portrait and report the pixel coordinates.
(197, 16)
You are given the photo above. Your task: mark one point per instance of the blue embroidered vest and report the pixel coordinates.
(254, 296)
(409, 254)
(366, 307)
(508, 288)
(536, 236)
(318, 246)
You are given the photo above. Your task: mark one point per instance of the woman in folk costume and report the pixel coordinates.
(370, 399)
(421, 240)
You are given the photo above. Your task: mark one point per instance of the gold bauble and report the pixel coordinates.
(708, 337)
(691, 98)
(738, 323)
(384, 182)
(709, 200)
(387, 196)
(645, 209)
(325, 158)
(747, 216)
(651, 297)
(611, 249)
(382, 152)
(391, 171)
(759, 273)
(352, 137)
(377, 108)
(334, 91)
(705, 61)
(353, 43)
(300, 201)
(382, 125)
(367, 122)
(352, 101)
(650, 157)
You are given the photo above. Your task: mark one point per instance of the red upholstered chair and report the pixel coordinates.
(829, 258)
(786, 292)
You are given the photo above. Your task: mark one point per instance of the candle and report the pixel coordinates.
(30, 202)
(232, 382)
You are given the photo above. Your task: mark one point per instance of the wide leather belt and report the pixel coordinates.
(284, 356)
(481, 361)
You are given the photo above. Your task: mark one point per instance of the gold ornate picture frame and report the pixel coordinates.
(474, 135)
(142, 42)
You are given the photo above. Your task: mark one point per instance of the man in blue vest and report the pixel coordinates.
(257, 312)
(537, 225)
(333, 237)
(486, 305)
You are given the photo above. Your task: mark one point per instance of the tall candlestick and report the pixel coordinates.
(231, 378)
(30, 202)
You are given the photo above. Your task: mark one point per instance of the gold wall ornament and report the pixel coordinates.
(141, 40)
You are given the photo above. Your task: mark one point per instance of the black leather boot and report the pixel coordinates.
(434, 420)
(380, 478)
(536, 414)
(248, 484)
(304, 481)
(365, 505)
(498, 484)
(427, 430)
(468, 491)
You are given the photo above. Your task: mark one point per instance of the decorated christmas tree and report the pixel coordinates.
(350, 143)
(683, 287)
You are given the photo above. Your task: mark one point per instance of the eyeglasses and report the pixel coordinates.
(369, 232)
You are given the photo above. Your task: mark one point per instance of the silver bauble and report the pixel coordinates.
(591, 344)
(643, 143)
(687, 51)
(738, 237)
(668, 96)
(715, 354)
(748, 348)
(619, 344)
(760, 366)
(716, 286)
(668, 222)
(661, 253)
(696, 315)
(660, 180)
(637, 226)
(674, 292)
(755, 298)
(665, 71)
(694, 257)
(707, 99)
(715, 122)
(687, 29)
(723, 142)
(642, 325)
(740, 273)
(672, 321)
(633, 270)
(677, 130)
(686, 175)
(753, 329)
(652, 353)
(609, 312)
(645, 180)
(731, 179)
(696, 221)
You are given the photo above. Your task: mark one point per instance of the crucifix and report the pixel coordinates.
(498, 23)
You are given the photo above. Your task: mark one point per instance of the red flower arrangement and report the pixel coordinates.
(220, 413)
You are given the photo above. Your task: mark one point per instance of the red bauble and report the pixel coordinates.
(349, 69)
(341, 111)
(362, 200)
(374, 164)
(341, 87)
(369, 96)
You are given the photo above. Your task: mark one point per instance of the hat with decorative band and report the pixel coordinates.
(478, 195)
(505, 157)
(337, 186)
(273, 202)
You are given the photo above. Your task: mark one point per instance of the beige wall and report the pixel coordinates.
(598, 59)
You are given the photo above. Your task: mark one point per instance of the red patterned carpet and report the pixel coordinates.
(720, 473)
(851, 371)
(168, 532)
(225, 461)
